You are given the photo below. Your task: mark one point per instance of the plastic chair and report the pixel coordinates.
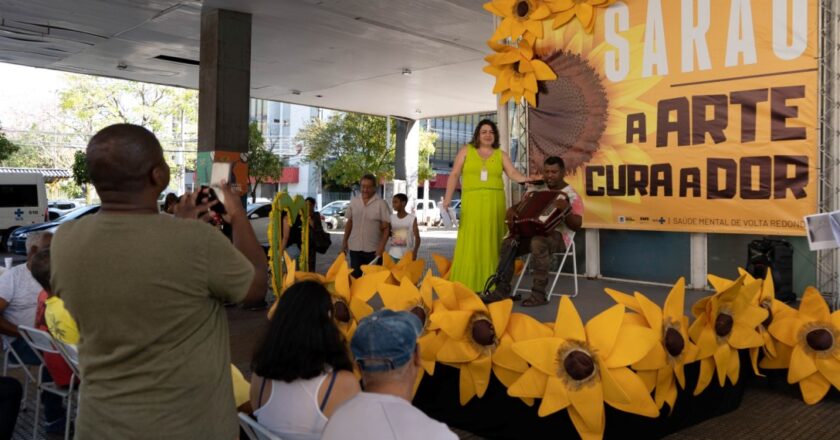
(254, 430)
(43, 342)
(569, 250)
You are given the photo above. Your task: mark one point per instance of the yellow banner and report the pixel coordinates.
(686, 115)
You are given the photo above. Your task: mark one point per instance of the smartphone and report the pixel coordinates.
(220, 172)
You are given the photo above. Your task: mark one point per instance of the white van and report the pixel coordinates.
(23, 201)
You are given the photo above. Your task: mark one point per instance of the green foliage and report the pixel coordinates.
(7, 147)
(348, 146)
(80, 171)
(427, 149)
(263, 164)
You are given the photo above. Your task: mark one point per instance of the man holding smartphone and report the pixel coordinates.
(147, 291)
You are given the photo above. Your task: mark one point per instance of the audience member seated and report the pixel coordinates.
(59, 323)
(302, 370)
(18, 303)
(386, 351)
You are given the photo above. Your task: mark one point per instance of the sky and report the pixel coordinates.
(25, 91)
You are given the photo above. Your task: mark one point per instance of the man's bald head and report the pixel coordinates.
(122, 158)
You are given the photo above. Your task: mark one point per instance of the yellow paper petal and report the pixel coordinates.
(504, 356)
(814, 388)
(454, 351)
(467, 385)
(500, 314)
(675, 302)
(568, 324)
(785, 329)
(588, 400)
(602, 330)
(480, 371)
(633, 343)
(830, 369)
(540, 353)
(801, 365)
(813, 306)
(641, 402)
(556, 397)
(707, 370)
(532, 383)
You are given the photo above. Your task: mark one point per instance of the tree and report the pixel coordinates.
(348, 146)
(7, 147)
(427, 149)
(80, 173)
(263, 163)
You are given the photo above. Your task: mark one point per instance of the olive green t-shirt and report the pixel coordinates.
(147, 292)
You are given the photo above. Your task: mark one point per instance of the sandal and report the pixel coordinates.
(535, 300)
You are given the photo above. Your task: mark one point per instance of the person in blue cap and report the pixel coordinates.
(386, 351)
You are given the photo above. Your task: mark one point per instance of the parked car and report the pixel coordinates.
(17, 239)
(60, 207)
(427, 212)
(337, 204)
(258, 214)
(334, 216)
(23, 202)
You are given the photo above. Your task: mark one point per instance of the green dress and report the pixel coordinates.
(482, 223)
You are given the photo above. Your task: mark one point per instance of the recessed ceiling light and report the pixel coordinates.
(295, 92)
(319, 96)
(406, 72)
(417, 110)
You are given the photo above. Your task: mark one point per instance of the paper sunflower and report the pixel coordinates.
(667, 359)
(517, 72)
(581, 367)
(350, 300)
(813, 333)
(726, 322)
(584, 10)
(479, 339)
(518, 17)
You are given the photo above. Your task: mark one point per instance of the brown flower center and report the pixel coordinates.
(575, 134)
(723, 325)
(767, 306)
(522, 9)
(820, 339)
(483, 332)
(674, 342)
(420, 313)
(579, 365)
(342, 312)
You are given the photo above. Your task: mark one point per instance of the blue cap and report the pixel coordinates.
(385, 340)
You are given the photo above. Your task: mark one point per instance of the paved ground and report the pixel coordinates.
(770, 409)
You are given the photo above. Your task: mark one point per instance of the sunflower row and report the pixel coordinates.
(631, 356)
(514, 66)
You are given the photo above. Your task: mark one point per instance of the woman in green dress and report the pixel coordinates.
(482, 222)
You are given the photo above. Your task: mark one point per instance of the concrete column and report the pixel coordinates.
(699, 261)
(407, 152)
(593, 253)
(224, 90)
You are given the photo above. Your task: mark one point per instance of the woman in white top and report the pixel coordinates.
(405, 236)
(302, 369)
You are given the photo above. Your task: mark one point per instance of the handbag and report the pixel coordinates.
(322, 241)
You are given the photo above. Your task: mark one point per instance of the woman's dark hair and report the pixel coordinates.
(302, 338)
(481, 123)
(171, 199)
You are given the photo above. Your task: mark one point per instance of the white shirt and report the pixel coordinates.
(20, 290)
(383, 416)
(402, 235)
(292, 411)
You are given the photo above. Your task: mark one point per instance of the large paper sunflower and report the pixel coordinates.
(406, 267)
(664, 367)
(726, 322)
(599, 125)
(813, 333)
(442, 264)
(518, 18)
(517, 72)
(776, 353)
(350, 298)
(581, 367)
(584, 10)
(474, 341)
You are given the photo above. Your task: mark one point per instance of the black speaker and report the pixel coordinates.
(777, 255)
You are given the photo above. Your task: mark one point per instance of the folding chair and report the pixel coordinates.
(254, 430)
(43, 342)
(569, 250)
(9, 352)
(70, 354)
